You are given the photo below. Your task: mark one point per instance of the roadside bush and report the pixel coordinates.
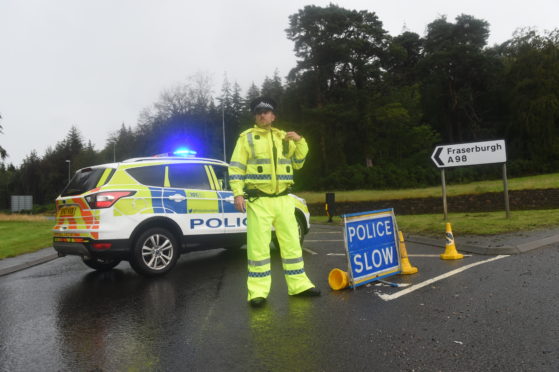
(409, 175)
(380, 177)
(44, 209)
(526, 167)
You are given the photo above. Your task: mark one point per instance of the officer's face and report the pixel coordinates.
(265, 119)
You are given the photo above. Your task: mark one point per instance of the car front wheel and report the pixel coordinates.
(155, 252)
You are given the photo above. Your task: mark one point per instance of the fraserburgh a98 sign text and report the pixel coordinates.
(462, 154)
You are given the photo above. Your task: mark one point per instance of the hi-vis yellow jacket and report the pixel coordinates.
(262, 160)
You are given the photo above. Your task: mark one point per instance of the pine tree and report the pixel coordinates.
(252, 93)
(273, 87)
(3, 152)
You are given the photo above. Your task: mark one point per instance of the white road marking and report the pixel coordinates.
(415, 287)
(335, 254)
(308, 250)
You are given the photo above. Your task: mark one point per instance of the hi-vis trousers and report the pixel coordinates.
(262, 213)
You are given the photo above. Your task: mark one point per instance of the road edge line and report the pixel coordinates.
(415, 287)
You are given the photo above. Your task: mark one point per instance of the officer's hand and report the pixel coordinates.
(293, 136)
(240, 203)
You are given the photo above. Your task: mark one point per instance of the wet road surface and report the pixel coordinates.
(499, 315)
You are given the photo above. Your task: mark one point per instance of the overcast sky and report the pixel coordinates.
(97, 64)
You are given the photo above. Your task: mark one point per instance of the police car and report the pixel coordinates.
(150, 210)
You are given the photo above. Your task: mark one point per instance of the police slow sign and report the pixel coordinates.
(371, 240)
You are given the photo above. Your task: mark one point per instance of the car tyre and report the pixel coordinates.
(101, 264)
(155, 252)
(300, 228)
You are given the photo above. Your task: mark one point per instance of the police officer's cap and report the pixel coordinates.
(262, 104)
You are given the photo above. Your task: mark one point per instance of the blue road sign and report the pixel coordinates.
(371, 240)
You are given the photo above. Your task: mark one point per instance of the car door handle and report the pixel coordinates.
(230, 199)
(177, 198)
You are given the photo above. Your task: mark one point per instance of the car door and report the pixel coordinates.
(190, 186)
(234, 221)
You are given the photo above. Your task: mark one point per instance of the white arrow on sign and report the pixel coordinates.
(474, 153)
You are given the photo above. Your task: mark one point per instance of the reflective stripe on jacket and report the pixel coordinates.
(262, 160)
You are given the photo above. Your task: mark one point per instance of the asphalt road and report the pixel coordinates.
(498, 313)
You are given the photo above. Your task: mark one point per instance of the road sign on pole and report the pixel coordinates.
(462, 154)
(474, 153)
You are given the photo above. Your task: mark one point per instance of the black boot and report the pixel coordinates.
(257, 302)
(311, 292)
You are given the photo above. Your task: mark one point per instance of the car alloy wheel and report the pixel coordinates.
(156, 251)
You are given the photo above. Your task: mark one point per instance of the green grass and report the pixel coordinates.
(471, 223)
(25, 236)
(544, 181)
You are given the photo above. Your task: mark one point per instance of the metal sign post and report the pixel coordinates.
(443, 181)
(475, 153)
(506, 188)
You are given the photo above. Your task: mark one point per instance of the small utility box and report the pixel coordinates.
(21, 203)
(330, 205)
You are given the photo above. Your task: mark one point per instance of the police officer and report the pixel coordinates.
(262, 168)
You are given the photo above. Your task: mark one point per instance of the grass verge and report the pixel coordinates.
(544, 181)
(24, 234)
(488, 223)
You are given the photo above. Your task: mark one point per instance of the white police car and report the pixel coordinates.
(150, 210)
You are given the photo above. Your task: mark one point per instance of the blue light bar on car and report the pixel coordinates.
(183, 151)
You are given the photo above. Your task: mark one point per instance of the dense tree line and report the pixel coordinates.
(372, 106)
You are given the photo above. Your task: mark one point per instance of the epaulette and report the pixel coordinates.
(245, 132)
(281, 132)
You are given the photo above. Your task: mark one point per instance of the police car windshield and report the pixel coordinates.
(84, 180)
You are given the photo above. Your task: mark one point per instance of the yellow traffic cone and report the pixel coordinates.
(338, 279)
(450, 252)
(407, 268)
